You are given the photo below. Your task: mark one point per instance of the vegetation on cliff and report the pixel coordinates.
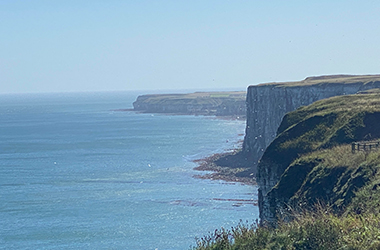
(318, 230)
(311, 154)
(324, 124)
(313, 158)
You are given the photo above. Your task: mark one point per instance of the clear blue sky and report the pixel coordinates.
(91, 45)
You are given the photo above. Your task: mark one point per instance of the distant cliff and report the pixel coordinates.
(268, 103)
(199, 103)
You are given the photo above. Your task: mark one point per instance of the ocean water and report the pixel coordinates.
(77, 174)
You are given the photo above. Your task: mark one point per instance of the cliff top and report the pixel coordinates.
(326, 79)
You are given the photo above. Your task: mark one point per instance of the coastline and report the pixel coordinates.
(209, 163)
(221, 117)
(225, 173)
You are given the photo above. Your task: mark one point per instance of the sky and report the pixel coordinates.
(115, 45)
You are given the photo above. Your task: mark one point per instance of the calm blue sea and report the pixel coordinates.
(76, 174)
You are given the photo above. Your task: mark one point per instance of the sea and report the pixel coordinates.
(77, 172)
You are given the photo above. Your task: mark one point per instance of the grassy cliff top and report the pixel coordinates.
(326, 123)
(368, 101)
(320, 80)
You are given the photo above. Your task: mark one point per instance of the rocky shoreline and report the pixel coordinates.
(225, 173)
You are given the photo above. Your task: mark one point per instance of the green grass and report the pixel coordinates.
(318, 230)
(335, 177)
(341, 156)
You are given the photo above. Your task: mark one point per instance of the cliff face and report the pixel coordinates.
(268, 103)
(311, 160)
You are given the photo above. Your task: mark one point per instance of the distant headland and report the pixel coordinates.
(224, 104)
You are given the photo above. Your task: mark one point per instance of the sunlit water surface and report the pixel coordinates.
(76, 174)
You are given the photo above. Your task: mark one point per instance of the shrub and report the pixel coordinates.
(318, 230)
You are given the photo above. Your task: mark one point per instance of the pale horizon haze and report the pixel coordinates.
(76, 46)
